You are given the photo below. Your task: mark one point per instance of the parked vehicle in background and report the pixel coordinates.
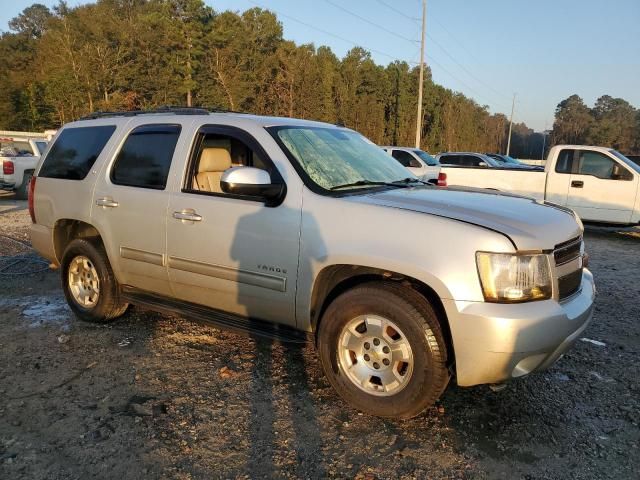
(19, 155)
(418, 162)
(598, 183)
(510, 162)
(480, 160)
(305, 231)
(466, 159)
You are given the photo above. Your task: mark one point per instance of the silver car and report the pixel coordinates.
(305, 231)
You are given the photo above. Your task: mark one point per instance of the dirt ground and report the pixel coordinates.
(156, 396)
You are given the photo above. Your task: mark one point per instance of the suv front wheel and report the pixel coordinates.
(382, 349)
(89, 284)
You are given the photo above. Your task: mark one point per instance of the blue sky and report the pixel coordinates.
(543, 50)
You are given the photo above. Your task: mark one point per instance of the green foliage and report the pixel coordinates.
(612, 122)
(138, 54)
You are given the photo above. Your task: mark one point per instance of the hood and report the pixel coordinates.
(529, 224)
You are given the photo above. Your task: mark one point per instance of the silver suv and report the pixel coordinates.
(300, 231)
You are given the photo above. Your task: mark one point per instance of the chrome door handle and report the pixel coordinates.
(106, 202)
(188, 215)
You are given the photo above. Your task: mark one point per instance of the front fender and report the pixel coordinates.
(438, 252)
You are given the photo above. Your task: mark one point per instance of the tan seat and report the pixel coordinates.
(213, 162)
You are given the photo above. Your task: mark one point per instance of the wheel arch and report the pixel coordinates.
(337, 279)
(67, 229)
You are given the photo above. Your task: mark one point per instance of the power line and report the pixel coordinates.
(466, 85)
(444, 50)
(468, 52)
(373, 24)
(455, 39)
(413, 42)
(394, 9)
(379, 52)
(313, 27)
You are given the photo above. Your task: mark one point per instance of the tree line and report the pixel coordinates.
(62, 63)
(612, 122)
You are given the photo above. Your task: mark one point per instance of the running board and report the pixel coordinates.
(216, 318)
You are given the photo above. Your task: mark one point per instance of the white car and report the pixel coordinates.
(418, 162)
(600, 184)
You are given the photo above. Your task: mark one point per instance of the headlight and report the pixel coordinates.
(511, 278)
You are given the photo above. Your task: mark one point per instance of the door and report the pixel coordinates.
(558, 180)
(229, 252)
(130, 206)
(601, 188)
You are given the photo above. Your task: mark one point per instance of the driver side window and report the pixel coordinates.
(600, 166)
(215, 154)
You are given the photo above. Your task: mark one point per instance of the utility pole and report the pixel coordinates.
(544, 140)
(513, 104)
(396, 123)
(419, 119)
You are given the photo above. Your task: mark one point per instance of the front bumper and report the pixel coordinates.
(496, 342)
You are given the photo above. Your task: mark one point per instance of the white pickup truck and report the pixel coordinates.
(598, 183)
(19, 157)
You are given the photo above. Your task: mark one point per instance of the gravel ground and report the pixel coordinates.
(156, 396)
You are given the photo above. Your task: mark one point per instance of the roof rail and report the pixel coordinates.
(167, 109)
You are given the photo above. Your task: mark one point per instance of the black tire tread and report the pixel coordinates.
(420, 311)
(110, 305)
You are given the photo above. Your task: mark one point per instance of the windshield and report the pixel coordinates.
(333, 157)
(504, 158)
(509, 159)
(629, 162)
(426, 158)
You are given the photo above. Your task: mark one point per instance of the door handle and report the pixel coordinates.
(106, 202)
(577, 184)
(187, 215)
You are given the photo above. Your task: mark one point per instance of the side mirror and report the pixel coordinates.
(619, 173)
(253, 182)
(482, 164)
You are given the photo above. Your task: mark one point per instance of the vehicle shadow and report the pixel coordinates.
(285, 370)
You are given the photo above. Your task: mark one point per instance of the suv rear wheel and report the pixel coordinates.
(382, 349)
(89, 284)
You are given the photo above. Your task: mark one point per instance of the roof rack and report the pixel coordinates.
(168, 109)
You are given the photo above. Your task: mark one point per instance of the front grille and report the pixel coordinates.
(569, 284)
(564, 253)
(567, 251)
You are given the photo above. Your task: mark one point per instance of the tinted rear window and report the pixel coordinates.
(145, 157)
(450, 159)
(75, 151)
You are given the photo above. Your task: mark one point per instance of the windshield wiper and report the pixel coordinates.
(403, 183)
(408, 180)
(364, 182)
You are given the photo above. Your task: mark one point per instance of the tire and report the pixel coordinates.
(413, 321)
(102, 302)
(22, 192)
